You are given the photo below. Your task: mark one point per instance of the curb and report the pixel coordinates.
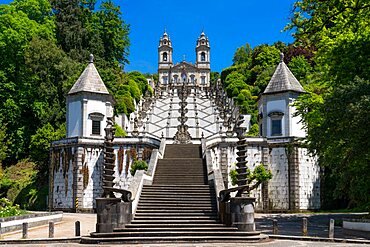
(41, 240)
(15, 223)
(320, 239)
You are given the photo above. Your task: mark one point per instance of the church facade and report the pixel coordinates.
(197, 74)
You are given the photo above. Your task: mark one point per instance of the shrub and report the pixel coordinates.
(138, 165)
(7, 209)
(234, 177)
(119, 131)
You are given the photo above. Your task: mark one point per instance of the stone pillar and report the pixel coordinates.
(112, 213)
(242, 213)
(224, 211)
(84, 118)
(223, 165)
(78, 179)
(52, 165)
(293, 171)
(265, 186)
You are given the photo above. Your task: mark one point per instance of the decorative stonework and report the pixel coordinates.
(182, 135)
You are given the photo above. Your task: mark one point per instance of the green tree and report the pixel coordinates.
(243, 55)
(20, 22)
(300, 68)
(114, 32)
(4, 143)
(337, 106)
(41, 143)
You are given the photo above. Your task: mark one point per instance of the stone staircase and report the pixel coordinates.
(179, 206)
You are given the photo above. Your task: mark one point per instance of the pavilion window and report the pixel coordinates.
(276, 123)
(96, 119)
(96, 127)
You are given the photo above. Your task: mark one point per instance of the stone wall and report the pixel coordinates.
(309, 180)
(278, 186)
(76, 170)
(63, 163)
(295, 184)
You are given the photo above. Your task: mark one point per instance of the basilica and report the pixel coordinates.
(184, 72)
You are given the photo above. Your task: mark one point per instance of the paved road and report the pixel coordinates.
(289, 224)
(275, 243)
(318, 224)
(65, 228)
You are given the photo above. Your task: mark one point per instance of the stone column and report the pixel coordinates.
(265, 189)
(223, 165)
(293, 170)
(78, 178)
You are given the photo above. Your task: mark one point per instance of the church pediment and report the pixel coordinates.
(184, 66)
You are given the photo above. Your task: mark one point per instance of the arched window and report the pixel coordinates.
(183, 76)
(165, 79)
(203, 57)
(192, 79)
(203, 79)
(164, 56)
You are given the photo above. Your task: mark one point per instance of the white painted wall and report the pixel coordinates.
(63, 180)
(278, 186)
(309, 180)
(296, 126)
(94, 160)
(74, 119)
(94, 106)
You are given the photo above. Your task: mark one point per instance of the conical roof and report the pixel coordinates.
(89, 81)
(283, 80)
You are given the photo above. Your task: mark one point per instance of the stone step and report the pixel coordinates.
(184, 170)
(177, 181)
(204, 232)
(180, 165)
(178, 195)
(174, 239)
(175, 211)
(175, 221)
(176, 214)
(180, 191)
(195, 187)
(176, 204)
(182, 207)
(178, 159)
(175, 171)
(184, 228)
(177, 199)
(171, 217)
(197, 180)
(166, 192)
(168, 181)
(180, 176)
(173, 225)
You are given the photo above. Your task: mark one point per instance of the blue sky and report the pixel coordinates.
(228, 25)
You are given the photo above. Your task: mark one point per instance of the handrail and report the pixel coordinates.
(141, 177)
(214, 175)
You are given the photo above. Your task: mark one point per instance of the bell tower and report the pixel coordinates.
(164, 58)
(202, 52)
(165, 51)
